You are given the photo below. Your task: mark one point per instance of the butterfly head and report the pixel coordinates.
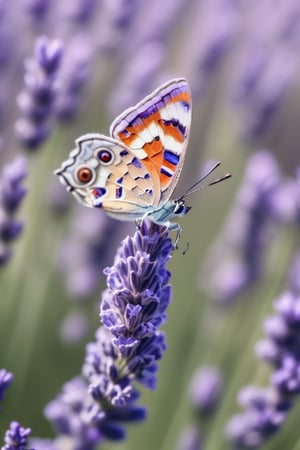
(87, 170)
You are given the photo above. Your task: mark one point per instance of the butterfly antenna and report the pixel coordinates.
(195, 187)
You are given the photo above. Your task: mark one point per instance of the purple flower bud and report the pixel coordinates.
(190, 439)
(73, 328)
(205, 389)
(6, 379)
(287, 377)
(11, 189)
(269, 351)
(30, 134)
(48, 54)
(277, 329)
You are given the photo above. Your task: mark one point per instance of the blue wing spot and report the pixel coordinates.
(176, 124)
(99, 192)
(119, 192)
(149, 191)
(120, 180)
(186, 106)
(171, 157)
(136, 163)
(164, 171)
(123, 153)
(147, 176)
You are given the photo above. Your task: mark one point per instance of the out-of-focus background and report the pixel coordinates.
(241, 59)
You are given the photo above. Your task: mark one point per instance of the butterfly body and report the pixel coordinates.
(133, 172)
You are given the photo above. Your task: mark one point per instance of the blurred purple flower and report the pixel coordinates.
(265, 409)
(65, 413)
(74, 327)
(36, 101)
(247, 243)
(263, 416)
(205, 390)
(266, 64)
(190, 439)
(6, 378)
(137, 75)
(285, 202)
(81, 11)
(83, 251)
(75, 71)
(37, 9)
(16, 437)
(12, 193)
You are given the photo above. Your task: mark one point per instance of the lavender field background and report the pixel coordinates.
(230, 376)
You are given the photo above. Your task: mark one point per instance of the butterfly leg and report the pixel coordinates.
(175, 227)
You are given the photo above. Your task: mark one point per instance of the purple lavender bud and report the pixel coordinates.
(11, 189)
(205, 389)
(288, 307)
(260, 420)
(66, 414)
(16, 437)
(31, 135)
(269, 351)
(286, 378)
(73, 328)
(284, 203)
(9, 229)
(190, 439)
(48, 54)
(6, 379)
(277, 329)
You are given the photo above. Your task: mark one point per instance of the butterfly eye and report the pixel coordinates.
(84, 175)
(105, 156)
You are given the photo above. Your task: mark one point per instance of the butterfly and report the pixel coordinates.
(133, 172)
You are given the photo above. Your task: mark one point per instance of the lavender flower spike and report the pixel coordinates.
(134, 305)
(16, 437)
(36, 101)
(129, 343)
(266, 409)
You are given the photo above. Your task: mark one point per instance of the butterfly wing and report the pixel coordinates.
(102, 172)
(157, 131)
